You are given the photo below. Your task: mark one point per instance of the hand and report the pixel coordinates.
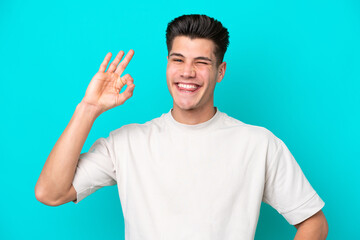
(104, 88)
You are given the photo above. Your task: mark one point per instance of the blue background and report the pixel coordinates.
(292, 67)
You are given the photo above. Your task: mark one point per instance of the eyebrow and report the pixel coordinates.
(197, 58)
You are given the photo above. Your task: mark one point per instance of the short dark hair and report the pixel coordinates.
(199, 26)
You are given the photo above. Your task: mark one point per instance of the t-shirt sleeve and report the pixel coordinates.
(95, 169)
(287, 189)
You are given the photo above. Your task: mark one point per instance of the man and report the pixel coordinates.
(192, 173)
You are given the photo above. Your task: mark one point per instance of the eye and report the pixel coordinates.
(177, 60)
(202, 62)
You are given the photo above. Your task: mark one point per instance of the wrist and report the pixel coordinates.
(90, 110)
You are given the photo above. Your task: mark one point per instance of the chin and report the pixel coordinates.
(185, 107)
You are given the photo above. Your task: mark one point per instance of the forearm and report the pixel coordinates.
(59, 169)
(314, 228)
(310, 234)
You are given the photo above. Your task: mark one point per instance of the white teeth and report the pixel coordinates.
(187, 86)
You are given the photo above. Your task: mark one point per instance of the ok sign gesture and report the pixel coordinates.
(104, 89)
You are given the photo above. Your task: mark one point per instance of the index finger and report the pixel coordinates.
(105, 62)
(123, 64)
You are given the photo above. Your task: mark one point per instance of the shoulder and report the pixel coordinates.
(246, 129)
(155, 124)
(254, 135)
(260, 139)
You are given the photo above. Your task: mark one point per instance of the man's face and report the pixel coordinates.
(192, 73)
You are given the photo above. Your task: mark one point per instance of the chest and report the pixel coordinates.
(197, 165)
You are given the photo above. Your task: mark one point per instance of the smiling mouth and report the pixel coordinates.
(187, 88)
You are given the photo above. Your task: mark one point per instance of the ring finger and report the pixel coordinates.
(116, 61)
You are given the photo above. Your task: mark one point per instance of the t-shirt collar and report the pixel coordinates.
(195, 127)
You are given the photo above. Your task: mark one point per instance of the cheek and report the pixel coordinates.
(171, 71)
(207, 76)
(170, 78)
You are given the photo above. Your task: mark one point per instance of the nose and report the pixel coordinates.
(188, 71)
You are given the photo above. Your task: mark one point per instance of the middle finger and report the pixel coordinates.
(116, 61)
(120, 69)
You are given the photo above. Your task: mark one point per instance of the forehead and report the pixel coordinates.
(193, 48)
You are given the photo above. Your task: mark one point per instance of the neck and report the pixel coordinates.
(193, 116)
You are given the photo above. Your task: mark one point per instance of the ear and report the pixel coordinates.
(221, 72)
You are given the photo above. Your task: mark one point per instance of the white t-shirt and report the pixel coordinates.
(196, 182)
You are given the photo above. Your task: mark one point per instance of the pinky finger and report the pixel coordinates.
(105, 62)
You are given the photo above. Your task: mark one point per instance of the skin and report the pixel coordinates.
(314, 228)
(54, 186)
(189, 61)
(193, 61)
